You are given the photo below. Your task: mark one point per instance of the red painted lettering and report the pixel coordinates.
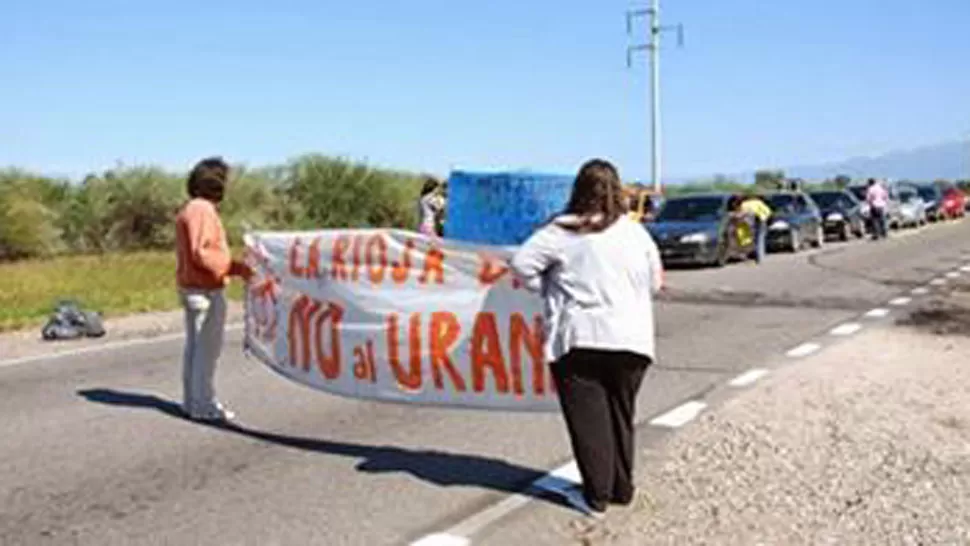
(486, 353)
(520, 336)
(296, 269)
(445, 330)
(338, 264)
(434, 265)
(401, 270)
(376, 259)
(329, 364)
(409, 379)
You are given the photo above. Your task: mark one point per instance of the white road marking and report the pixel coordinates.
(846, 329)
(803, 350)
(899, 302)
(953, 275)
(938, 282)
(557, 481)
(921, 291)
(965, 269)
(680, 416)
(878, 313)
(441, 539)
(747, 378)
(103, 347)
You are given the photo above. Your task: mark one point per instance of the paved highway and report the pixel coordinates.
(92, 450)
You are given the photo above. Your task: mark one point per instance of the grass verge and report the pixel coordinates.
(114, 284)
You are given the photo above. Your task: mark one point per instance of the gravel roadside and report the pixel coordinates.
(29, 343)
(867, 442)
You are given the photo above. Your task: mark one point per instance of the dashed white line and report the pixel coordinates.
(803, 350)
(965, 269)
(878, 313)
(938, 282)
(680, 416)
(846, 329)
(748, 377)
(899, 302)
(953, 275)
(442, 539)
(921, 291)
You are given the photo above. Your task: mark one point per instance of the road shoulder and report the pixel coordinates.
(29, 344)
(867, 442)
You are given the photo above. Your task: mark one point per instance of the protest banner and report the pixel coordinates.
(395, 316)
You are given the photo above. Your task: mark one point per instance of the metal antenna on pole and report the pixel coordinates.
(654, 48)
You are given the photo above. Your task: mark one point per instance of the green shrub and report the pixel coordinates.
(133, 208)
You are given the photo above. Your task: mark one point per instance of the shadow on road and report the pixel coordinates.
(439, 468)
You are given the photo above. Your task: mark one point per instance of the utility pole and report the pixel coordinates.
(654, 48)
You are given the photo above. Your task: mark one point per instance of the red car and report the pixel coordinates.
(954, 203)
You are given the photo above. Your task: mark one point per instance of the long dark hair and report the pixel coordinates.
(430, 185)
(208, 179)
(597, 198)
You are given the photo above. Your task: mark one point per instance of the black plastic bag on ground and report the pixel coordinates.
(69, 321)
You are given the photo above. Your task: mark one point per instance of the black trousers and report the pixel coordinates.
(597, 392)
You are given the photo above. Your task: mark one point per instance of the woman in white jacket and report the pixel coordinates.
(597, 271)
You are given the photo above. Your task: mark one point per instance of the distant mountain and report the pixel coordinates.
(948, 161)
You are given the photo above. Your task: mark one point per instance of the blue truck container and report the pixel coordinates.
(502, 208)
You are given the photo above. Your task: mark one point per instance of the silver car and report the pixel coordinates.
(906, 208)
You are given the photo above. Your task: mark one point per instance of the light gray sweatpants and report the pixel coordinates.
(205, 325)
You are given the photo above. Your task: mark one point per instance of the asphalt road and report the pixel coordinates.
(92, 450)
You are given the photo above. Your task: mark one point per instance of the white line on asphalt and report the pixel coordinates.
(899, 302)
(556, 481)
(846, 329)
(442, 539)
(803, 350)
(680, 416)
(921, 291)
(878, 313)
(938, 282)
(953, 275)
(103, 347)
(747, 378)
(965, 269)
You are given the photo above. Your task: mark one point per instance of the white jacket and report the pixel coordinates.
(597, 288)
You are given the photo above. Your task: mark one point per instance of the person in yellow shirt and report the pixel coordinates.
(760, 212)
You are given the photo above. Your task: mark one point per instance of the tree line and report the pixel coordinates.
(133, 208)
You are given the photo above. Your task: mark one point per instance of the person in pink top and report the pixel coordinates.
(878, 200)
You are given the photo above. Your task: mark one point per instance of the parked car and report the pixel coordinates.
(697, 229)
(906, 207)
(859, 192)
(954, 203)
(795, 222)
(841, 214)
(933, 197)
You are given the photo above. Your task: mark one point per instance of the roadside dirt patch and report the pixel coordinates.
(949, 317)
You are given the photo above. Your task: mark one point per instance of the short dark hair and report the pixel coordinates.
(208, 179)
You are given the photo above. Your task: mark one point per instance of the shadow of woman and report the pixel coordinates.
(440, 468)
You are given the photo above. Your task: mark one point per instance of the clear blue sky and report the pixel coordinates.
(432, 84)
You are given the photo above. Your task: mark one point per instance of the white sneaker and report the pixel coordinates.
(216, 413)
